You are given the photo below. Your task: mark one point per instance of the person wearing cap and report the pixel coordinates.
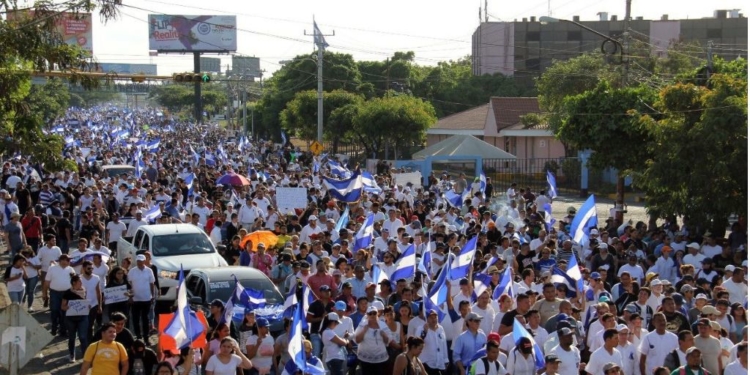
(693, 256)
(655, 345)
(372, 342)
(551, 365)
(282, 270)
(490, 363)
(260, 347)
(468, 342)
(736, 286)
(665, 266)
(142, 282)
(435, 353)
(606, 354)
(334, 345)
(312, 229)
(627, 349)
(566, 350)
(678, 356)
(633, 268)
(694, 361)
(56, 283)
(654, 300)
(596, 288)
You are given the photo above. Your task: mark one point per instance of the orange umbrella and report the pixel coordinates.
(262, 236)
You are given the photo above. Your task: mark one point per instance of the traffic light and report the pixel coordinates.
(192, 77)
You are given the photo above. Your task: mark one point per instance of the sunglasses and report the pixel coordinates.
(372, 313)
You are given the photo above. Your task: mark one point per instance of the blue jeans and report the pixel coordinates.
(63, 245)
(317, 344)
(30, 287)
(57, 315)
(16, 297)
(77, 325)
(336, 366)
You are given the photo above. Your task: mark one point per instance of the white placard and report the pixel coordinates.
(115, 294)
(403, 178)
(78, 307)
(287, 199)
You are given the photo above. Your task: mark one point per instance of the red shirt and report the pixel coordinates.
(32, 227)
(316, 281)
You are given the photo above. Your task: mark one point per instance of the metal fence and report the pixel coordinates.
(350, 150)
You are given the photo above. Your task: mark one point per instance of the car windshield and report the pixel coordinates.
(181, 244)
(223, 289)
(114, 172)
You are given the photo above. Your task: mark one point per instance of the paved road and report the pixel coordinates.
(53, 360)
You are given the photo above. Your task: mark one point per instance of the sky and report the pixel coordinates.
(436, 30)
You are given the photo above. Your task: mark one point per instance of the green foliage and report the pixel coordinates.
(699, 151)
(604, 120)
(28, 43)
(49, 100)
(401, 121)
(300, 116)
(179, 97)
(88, 98)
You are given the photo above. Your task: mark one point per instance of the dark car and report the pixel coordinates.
(207, 284)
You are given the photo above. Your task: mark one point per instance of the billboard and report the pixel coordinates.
(180, 33)
(74, 29)
(248, 66)
(210, 64)
(148, 69)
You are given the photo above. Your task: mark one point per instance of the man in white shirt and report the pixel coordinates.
(136, 223)
(736, 286)
(655, 346)
(739, 366)
(92, 285)
(511, 193)
(312, 228)
(142, 282)
(115, 230)
(48, 253)
(56, 283)
(491, 359)
(393, 222)
(628, 351)
(605, 355)
(202, 211)
(435, 353)
(693, 256)
(482, 308)
(633, 268)
(569, 355)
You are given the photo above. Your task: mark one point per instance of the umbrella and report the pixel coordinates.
(262, 236)
(233, 179)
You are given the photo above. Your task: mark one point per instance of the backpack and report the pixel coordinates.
(486, 362)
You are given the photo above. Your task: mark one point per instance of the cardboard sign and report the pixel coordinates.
(115, 294)
(287, 199)
(78, 307)
(403, 178)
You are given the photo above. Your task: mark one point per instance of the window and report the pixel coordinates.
(137, 239)
(145, 243)
(181, 244)
(574, 35)
(532, 64)
(713, 33)
(532, 36)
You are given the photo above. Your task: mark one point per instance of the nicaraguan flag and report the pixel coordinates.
(283, 138)
(453, 199)
(425, 263)
(561, 277)
(439, 292)
(342, 220)
(505, 286)
(296, 349)
(520, 331)
(153, 144)
(552, 182)
(482, 182)
(153, 213)
(69, 141)
(405, 265)
(349, 190)
(371, 186)
(338, 170)
(254, 299)
(363, 238)
(584, 220)
(189, 183)
(320, 40)
(464, 260)
(482, 282)
(196, 157)
(137, 158)
(429, 302)
(574, 272)
(184, 327)
(549, 221)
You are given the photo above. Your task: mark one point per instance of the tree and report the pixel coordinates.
(49, 100)
(698, 166)
(301, 115)
(29, 42)
(400, 121)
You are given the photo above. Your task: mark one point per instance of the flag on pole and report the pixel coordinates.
(184, 327)
(482, 182)
(405, 265)
(342, 220)
(520, 331)
(320, 40)
(363, 238)
(584, 220)
(505, 286)
(464, 260)
(349, 190)
(297, 349)
(552, 182)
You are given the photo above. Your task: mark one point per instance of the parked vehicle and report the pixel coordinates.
(172, 246)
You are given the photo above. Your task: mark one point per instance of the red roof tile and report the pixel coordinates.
(508, 111)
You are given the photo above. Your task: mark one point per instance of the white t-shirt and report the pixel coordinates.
(656, 347)
(90, 286)
(47, 255)
(711, 251)
(116, 230)
(102, 272)
(737, 291)
(264, 356)
(331, 349)
(496, 368)
(630, 359)
(219, 368)
(17, 285)
(569, 360)
(141, 281)
(59, 277)
(601, 357)
(487, 314)
(31, 271)
(735, 368)
(636, 272)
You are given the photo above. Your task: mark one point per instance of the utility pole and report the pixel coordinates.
(486, 16)
(709, 59)
(244, 111)
(320, 44)
(620, 201)
(198, 102)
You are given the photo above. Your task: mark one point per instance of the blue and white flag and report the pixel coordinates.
(283, 138)
(342, 220)
(520, 331)
(363, 238)
(561, 277)
(371, 186)
(482, 283)
(425, 263)
(549, 221)
(405, 265)
(583, 222)
(378, 276)
(453, 199)
(552, 182)
(189, 183)
(296, 349)
(153, 213)
(70, 141)
(349, 190)
(574, 272)
(137, 159)
(153, 144)
(439, 292)
(464, 260)
(339, 170)
(505, 286)
(196, 157)
(482, 182)
(184, 327)
(320, 40)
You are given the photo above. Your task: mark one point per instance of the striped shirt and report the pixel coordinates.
(46, 197)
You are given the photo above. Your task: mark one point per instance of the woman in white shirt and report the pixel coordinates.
(214, 346)
(521, 359)
(228, 359)
(186, 364)
(32, 267)
(334, 346)
(372, 340)
(14, 278)
(260, 347)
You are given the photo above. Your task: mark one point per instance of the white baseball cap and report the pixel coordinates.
(594, 232)
(655, 282)
(312, 217)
